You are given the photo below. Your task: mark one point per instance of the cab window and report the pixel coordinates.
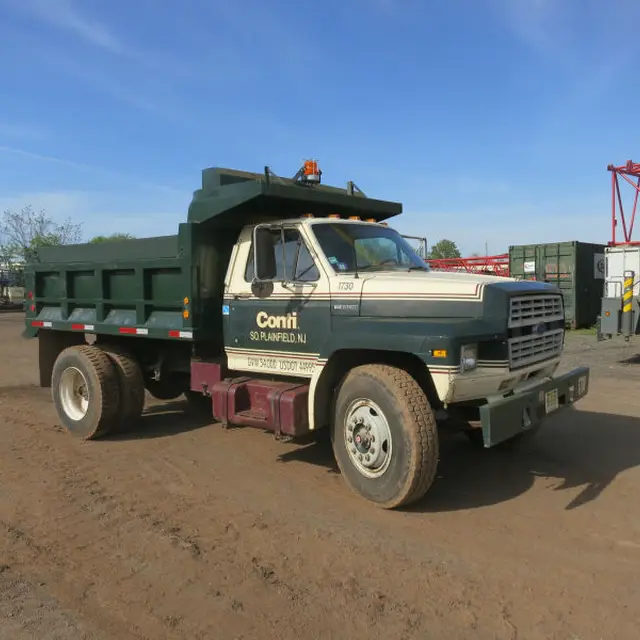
(351, 246)
(293, 258)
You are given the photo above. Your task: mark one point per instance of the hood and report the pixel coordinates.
(427, 282)
(438, 294)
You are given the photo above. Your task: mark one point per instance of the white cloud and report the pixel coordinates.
(144, 213)
(501, 228)
(45, 158)
(20, 131)
(158, 72)
(63, 15)
(59, 204)
(89, 168)
(575, 33)
(536, 22)
(115, 88)
(140, 213)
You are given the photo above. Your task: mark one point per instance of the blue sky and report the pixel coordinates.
(491, 120)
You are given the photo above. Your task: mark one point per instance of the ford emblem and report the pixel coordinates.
(539, 328)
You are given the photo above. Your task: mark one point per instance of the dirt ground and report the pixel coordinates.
(185, 531)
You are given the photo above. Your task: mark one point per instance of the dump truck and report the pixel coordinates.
(292, 306)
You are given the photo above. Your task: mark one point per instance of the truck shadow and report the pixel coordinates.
(315, 449)
(164, 420)
(579, 453)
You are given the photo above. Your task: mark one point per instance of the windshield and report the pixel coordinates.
(366, 247)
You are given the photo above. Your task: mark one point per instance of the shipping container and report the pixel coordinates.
(621, 304)
(576, 268)
(618, 261)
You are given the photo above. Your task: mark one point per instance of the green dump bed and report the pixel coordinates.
(147, 287)
(171, 287)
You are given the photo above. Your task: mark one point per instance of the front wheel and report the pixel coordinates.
(384, 436)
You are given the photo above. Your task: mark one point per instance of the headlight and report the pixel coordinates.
(468, 357)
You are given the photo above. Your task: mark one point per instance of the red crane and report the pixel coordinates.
(631, 173)
(492, 265)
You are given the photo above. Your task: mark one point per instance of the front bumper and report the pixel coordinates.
(509, 416)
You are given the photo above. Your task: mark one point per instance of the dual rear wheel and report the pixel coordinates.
(97, 391)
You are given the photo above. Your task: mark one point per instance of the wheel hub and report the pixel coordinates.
(368, 438)
(363, 439)
(74, 393)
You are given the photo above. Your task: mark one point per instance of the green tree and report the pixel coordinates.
(114, 237)
(23, 232)
(444, 249)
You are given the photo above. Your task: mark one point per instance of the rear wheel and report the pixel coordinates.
(86, 392)
(131, 384)
(384, 436)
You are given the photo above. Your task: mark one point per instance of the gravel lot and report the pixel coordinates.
(185, 531)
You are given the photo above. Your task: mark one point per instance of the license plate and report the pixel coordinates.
(551, 401)
(582, 385)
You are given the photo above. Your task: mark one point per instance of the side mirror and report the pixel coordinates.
(264, 254)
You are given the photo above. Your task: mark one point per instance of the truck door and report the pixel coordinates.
(279, 330)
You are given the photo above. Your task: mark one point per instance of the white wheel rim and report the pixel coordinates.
(74, 393)
(367, 437)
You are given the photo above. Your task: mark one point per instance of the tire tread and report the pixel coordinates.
(131, 381)
(423, 429)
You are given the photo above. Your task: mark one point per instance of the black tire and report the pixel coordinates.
(515, 443)
(132, 388)
(102, 390)
(413, 461)
(166, 388)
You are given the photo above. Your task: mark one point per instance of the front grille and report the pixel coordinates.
(536, 328)
(532, 348)
(525, 311)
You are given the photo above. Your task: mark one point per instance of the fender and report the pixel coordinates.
(417, 338)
